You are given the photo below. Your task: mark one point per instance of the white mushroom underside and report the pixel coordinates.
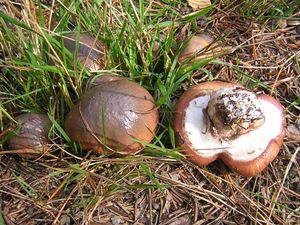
(244, 148)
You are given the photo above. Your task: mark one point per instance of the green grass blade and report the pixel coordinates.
(149, 173)
(26, 187)
(15, 22)
(1, 218)
(195, 15)
(59, 128)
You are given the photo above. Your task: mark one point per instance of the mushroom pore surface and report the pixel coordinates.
(245, 126)
(113, 113)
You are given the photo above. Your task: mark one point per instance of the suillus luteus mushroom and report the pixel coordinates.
(115, 114)
(31, 135)
(224, 120)
(98, 79)
(198, 47)
(91, 51)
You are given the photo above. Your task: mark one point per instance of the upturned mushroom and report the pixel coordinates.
(226, 121)
(31, 138)
(91, 51)
(115, 114)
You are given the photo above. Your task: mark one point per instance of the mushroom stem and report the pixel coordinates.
(233, 112)
(226, 107)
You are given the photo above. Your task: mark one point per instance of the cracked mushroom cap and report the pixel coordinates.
(224, 120)
(91, 51)
(31, 134)
(113, 115)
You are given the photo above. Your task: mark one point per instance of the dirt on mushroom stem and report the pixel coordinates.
(234, 111)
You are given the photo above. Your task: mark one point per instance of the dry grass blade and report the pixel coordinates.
(199, 4)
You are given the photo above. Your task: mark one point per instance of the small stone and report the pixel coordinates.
(65, 220)
(116, 220)
(282, 23)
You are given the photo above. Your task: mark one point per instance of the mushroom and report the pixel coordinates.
(224, 120)
(155, 49)
(91, 51)
(115, 114)
(31, 135)
(198, 47)
(98, 79)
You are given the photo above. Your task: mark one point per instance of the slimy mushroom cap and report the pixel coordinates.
(31, 133)
(91, 51)
(113, 115)
(196, 46)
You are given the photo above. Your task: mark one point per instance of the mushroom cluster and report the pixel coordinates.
(224, 120)
(31, 135)
(115, 114)
(213, 120)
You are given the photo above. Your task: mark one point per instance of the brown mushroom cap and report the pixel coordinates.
(91, 52)
(97, 80)
(247, 154)
(195, 46)
(31, 134)
(113, 114)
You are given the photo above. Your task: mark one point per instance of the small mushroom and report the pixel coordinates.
(91, 52)
(155, 49)
(198, 47)
(31, 135)
(224, 120)
(112, 115)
